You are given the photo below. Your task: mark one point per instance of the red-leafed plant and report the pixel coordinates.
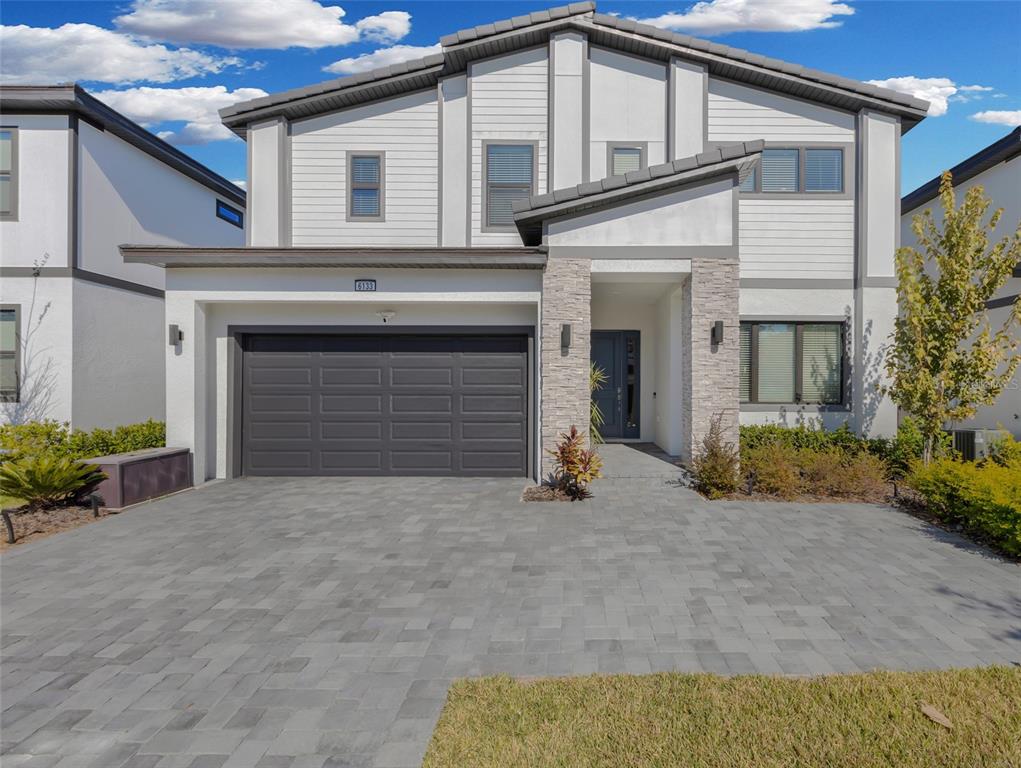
(576, 466)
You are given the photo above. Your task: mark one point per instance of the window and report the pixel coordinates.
(365, 172)
(8, 174)
(229, 214)
(9, 357)
(792, 363)
(784, 170)
(510, 176)
(625, 157)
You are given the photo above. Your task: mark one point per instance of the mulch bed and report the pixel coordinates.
(30, 525)
(885, 496)
(544, 493)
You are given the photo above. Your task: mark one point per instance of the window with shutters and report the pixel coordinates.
(365, 173)
(806, 170)
(622, 158)
(508, 176)
(792, 362)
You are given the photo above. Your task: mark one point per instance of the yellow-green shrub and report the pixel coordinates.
(54, 438)
(774, 470)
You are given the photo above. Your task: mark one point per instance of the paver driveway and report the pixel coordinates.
(303, 623)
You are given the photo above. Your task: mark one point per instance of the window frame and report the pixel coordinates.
(15, 397)
(220, 205)
(15, 174)
(846, 192)
(486, 144)
(351, 185)
(641, 146)
(799, 324)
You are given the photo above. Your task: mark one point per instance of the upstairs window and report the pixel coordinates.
(9, 358)
(365, 186)
(625, 158)
(8, 174)
(783, 170)
(824, 170)
(230, 214)
(780, 170)
(509, 176)
(792, 362)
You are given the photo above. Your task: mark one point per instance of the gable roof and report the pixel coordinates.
(737, 158)
(460, 48)
(71, 98)
(998, 152)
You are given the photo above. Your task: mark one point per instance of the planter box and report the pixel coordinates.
(141, 475)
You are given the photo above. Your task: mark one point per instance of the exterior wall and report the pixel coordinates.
(670, 371)
(455, 161)
(566, 292)
(689, 85)
(742, 113)
(119, 347)
(568, 101)
(268, 184)
(42, 230)
(405, 129)
(627, 103)
(508, 96)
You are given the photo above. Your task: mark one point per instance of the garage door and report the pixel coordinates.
(384, 405)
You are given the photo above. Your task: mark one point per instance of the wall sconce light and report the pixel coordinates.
(174, 335)
(565, 337)
(386, 315)
(716, 334)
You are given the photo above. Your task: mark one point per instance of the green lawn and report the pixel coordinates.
(678, 720)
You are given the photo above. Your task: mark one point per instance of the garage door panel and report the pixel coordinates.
(492, 377)
(401, 376)
(338, 376)
(279, 403)
(419, 430)
(281, 430)
(278, 459)
(351, 430)
(510, 404)
(351, 404)
(351, 460)
(493, 430)
(275, 377)
(439, 404)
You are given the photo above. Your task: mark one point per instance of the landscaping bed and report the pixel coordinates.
(32, 524)
(671, 719)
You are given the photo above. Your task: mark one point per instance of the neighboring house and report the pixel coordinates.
(82, 334)
(997, 169)
(437, 249)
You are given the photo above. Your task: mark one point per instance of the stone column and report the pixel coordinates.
(566, 298)
(711, 372)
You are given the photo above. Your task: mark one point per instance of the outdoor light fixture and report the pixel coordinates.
(174, 336)
(716, 335)
(565, 337)
(386, 315)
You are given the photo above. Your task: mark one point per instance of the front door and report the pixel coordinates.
(617, 353)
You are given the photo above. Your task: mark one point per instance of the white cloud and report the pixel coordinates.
(999, 117)
(382, 57)
(938, 91)
(276, 24)
(717, 17)
(243, 183)
(196, 107)
(42, 55)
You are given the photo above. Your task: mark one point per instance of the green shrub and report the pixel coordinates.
(56, 439)
(1006, 452)
(45, 479)
(821, 471)
(802, 436)
(863, 476)
(983, 498)
(715, 466)
(774, 470)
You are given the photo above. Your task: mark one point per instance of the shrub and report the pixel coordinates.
(802, 436)
(863, 475)
(576, 467)
(1005, 452)
(778, 470)
(56, 439)
(715, 466)
(773, 469)
(822, 471)
(985, 499)
(45, 480)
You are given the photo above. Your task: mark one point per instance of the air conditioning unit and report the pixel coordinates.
(974, 444)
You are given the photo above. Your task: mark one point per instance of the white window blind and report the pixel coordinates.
(824, 170)
(746, 363)
(780, 170)
(508, 178)
(776, 362)
(626, 159)
(820, 363)
(365, 186)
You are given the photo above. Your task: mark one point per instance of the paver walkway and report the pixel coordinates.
(310, 623)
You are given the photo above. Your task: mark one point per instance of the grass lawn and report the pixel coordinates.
(671, 719)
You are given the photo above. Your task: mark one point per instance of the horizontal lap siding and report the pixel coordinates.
(739, 113)
(508, 101)
(405, 129)
(797, 238)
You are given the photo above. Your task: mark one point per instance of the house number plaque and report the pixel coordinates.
(365, 285)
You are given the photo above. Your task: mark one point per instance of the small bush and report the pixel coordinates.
(862, 476)
(774, 470)
(822, 471)
(985, 499)
(45, 480)
(1005, 452)
(802, 436)
(716, 464)
(56, 439)
(576, 467)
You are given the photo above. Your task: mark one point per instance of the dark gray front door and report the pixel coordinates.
(617, 353)
(384, 405)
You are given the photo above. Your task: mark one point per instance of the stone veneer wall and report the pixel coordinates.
(566, 298)
(711, 378)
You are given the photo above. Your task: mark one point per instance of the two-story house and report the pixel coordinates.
(82, 334)
(438, 249)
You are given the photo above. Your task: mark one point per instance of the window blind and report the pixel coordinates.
(8, 354)
(780, 170)
(365, 170)
(508, 178)
(626, 159)
(366, 186)
(364, 202)
(6, 169)
(820, 363)
(824, 170)
(748, 185)
(776, 363)
(746, 363)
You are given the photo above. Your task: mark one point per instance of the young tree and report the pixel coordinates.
(945, 358)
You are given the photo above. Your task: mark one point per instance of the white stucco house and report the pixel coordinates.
(997, 169)
(437, 250)
(82, 333)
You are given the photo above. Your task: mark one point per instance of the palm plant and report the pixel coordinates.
(596, 380)
(45, 480)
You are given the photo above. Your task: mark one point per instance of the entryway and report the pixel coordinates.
(618, 354)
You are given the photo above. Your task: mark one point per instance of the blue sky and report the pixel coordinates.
(171, 63)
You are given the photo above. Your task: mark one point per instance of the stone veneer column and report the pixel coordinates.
(566, 298)
(711, 372)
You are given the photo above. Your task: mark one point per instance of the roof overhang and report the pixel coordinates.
(445, 258)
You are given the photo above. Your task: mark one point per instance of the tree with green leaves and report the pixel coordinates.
(945, 358)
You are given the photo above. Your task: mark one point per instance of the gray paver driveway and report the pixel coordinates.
(303, 623)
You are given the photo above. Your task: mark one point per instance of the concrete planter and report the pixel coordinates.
(141, 475)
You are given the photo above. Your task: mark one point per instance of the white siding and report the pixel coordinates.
(739, 113)
(405, 129)
(508, 101)
(797, 238)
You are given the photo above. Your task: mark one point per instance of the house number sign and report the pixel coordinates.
(365, 285)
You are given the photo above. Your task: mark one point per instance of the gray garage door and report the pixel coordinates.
(384, 405)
